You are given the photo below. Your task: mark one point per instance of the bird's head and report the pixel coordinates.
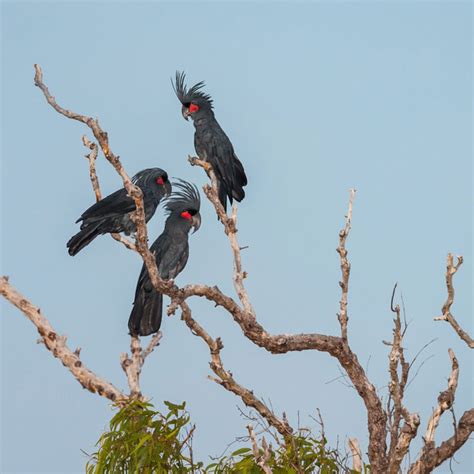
(153, 179)
(194, 101)
(183, 205)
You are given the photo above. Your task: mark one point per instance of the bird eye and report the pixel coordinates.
(193, 108)
(192, 212)
(160, 180)
(186, 215)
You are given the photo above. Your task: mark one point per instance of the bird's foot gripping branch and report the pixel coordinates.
(391, 427)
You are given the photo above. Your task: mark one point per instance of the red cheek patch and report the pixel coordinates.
(193, 108)
(186, 215)
(160, 181)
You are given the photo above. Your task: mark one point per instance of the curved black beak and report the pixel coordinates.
(196, 222)
(185, 112)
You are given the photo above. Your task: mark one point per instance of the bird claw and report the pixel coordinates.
(196, 161)
(192, 160)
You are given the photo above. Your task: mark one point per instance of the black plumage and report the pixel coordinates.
(112, 214)
(171, 251)
(210, 141)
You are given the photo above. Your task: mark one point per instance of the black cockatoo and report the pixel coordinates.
(112, 214)
(171, 251)
(211, 142)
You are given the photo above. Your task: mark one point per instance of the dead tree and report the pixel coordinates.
(392, 427)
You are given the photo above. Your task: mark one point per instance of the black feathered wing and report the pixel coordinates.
(213, 145)
(171, 257)
(84, 237)
(114, 205)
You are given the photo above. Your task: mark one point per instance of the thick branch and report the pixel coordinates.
(58, 347)
(451, 269)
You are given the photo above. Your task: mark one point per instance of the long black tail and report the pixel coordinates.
(145, 318)
(82, 238)
(232, 187)
(239, 181)
(222, 193)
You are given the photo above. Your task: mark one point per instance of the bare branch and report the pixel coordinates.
(132, 366)
(433, 457)
(91, 157)
(345, 268)
(404, 438)
(451, 269)
(399, 441)
(58, 347)
(230, 228)
(260, 459)
(154, 342)
(226, 379)
(356, 454)
(445, 400)
(430, 456)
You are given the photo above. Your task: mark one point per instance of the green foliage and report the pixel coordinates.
(144, 441)
(304, 454)
(141, 440)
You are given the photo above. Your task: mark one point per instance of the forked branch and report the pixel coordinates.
(132, 366)
(431, 456)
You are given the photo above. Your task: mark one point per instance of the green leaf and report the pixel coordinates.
(241, 451)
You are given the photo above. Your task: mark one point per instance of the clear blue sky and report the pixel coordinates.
(316, 97)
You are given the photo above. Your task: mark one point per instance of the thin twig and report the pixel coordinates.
(400, 439)
(345, 268)
(230, 228)
(91, 157)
